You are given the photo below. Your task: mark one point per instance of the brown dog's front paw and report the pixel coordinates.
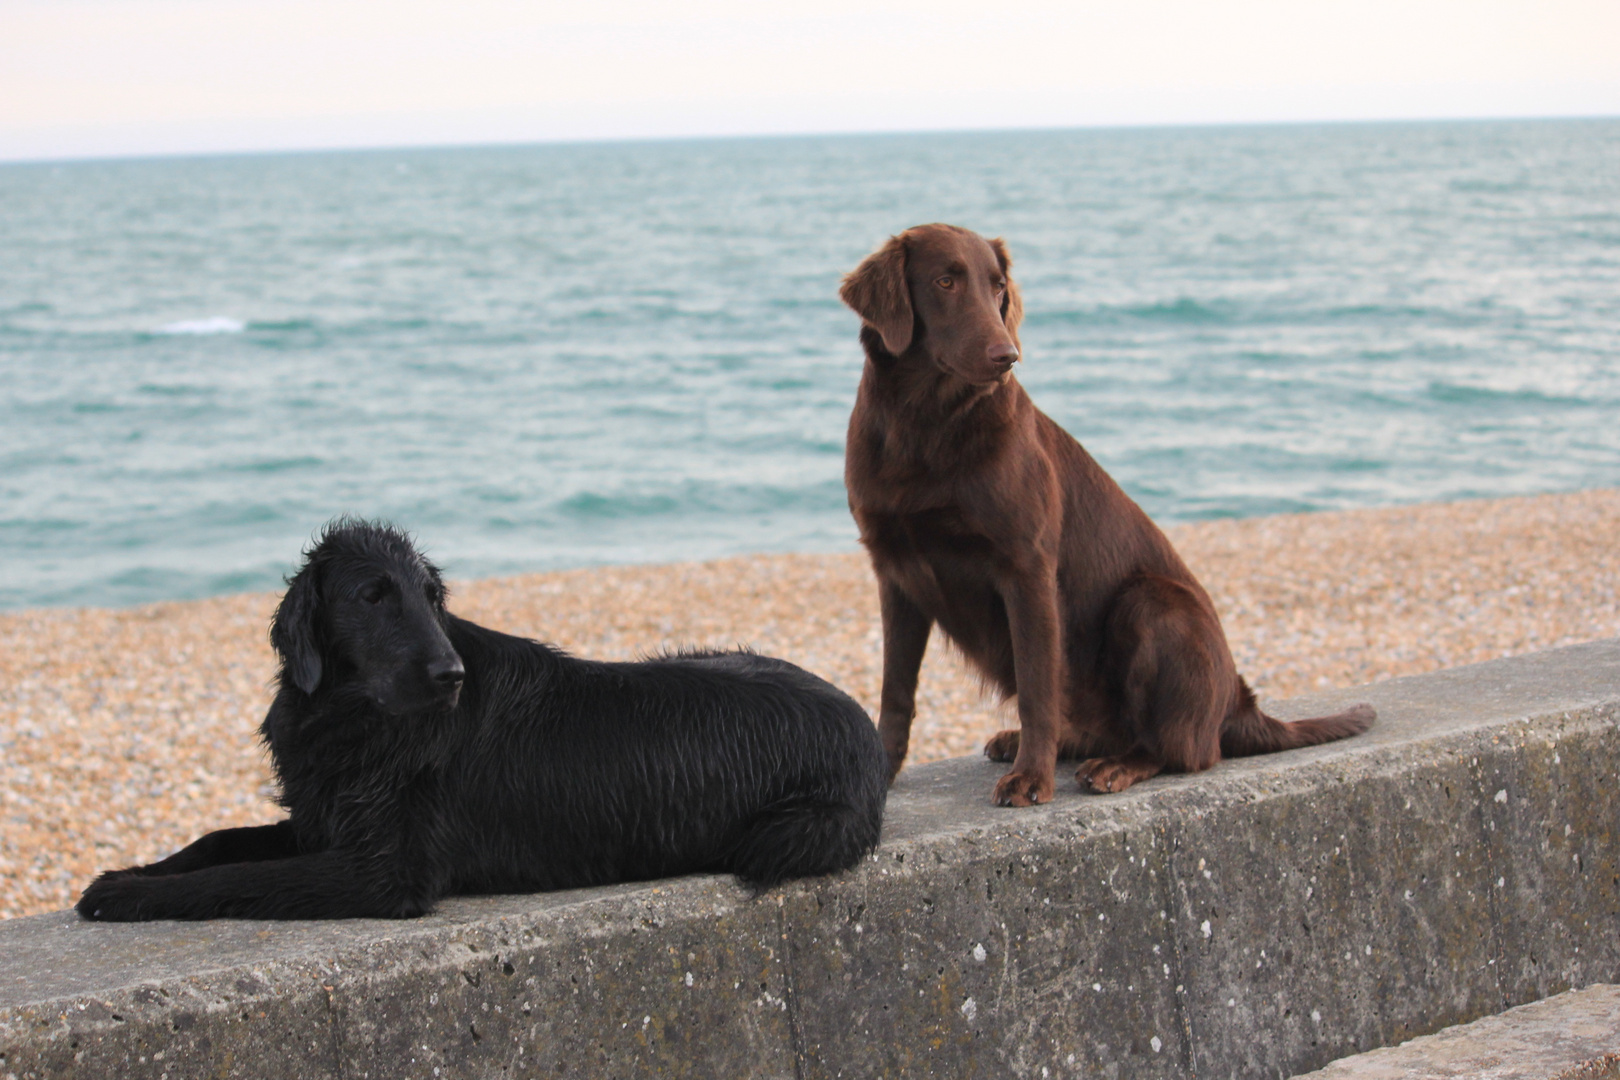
(895, 761)
(1023, 789)
(1110, 775)
(1003, 745)
(896, 756)
(896, 740)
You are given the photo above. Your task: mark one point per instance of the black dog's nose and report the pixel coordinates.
(447, 671)
(1003, 353)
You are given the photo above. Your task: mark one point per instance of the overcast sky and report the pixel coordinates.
(114, 77)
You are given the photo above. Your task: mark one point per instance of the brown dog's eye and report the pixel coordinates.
(946, 282)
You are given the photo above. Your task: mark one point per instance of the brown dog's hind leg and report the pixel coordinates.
(1175, 680)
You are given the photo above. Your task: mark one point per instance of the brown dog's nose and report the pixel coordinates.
(1003, 353)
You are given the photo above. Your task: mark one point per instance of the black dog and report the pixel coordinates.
(421, 755)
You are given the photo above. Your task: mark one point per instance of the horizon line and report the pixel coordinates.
(701, 137)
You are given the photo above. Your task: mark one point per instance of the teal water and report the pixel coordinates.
(550, 356)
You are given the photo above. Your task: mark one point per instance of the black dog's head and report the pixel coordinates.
(367, 611)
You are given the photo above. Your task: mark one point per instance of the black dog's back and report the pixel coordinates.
(705, 761)
(421, 755)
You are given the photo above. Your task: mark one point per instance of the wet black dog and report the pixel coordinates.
(420, 755)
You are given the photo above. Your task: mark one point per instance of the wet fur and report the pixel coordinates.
(985, 518)
(534, 771)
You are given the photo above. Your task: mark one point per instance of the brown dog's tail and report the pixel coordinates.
(1249, 731)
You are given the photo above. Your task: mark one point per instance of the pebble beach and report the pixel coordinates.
(126, 733)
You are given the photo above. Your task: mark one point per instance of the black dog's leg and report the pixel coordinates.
(332, 884)
(254, 843)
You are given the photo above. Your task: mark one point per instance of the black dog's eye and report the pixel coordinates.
(431, 593)
(946, 282)
(373, 593)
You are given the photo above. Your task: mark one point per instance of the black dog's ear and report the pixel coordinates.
(1012, 304)
(441, 591)
(878, 293)
(295, 631)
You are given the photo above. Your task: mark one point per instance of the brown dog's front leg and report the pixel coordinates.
(1032, 615)
(905, 639)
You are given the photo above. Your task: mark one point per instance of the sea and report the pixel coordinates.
(548, 356)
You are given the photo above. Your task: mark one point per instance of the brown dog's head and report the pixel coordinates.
(944, 290)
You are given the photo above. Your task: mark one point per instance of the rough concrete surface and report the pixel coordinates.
(1259, 920)
(1573, 1036)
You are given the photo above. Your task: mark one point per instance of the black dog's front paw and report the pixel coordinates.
(115, 896)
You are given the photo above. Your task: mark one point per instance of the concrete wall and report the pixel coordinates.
(1255, 921)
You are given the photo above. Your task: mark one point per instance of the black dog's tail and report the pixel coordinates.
(802, 839)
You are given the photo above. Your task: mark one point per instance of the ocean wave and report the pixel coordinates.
(274, 325)
(591, 505)
(276, 464)
(1183, 310)
(214, 324)
(704, 498)
(1524, 397)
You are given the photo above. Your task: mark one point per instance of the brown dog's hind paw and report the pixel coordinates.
(1003, 745)
(1023, 789)
(1111, 775)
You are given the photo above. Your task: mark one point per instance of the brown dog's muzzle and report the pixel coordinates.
(999, 357)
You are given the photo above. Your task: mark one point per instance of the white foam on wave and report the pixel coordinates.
(214, 324)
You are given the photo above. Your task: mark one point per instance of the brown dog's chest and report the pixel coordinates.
(936, 558)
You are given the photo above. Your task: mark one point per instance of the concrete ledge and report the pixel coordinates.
(1574, 1036)
(1258, 920)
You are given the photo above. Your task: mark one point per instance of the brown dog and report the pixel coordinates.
(982, 515)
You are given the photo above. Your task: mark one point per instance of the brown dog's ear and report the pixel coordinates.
(1012, 304)
(878, 293)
